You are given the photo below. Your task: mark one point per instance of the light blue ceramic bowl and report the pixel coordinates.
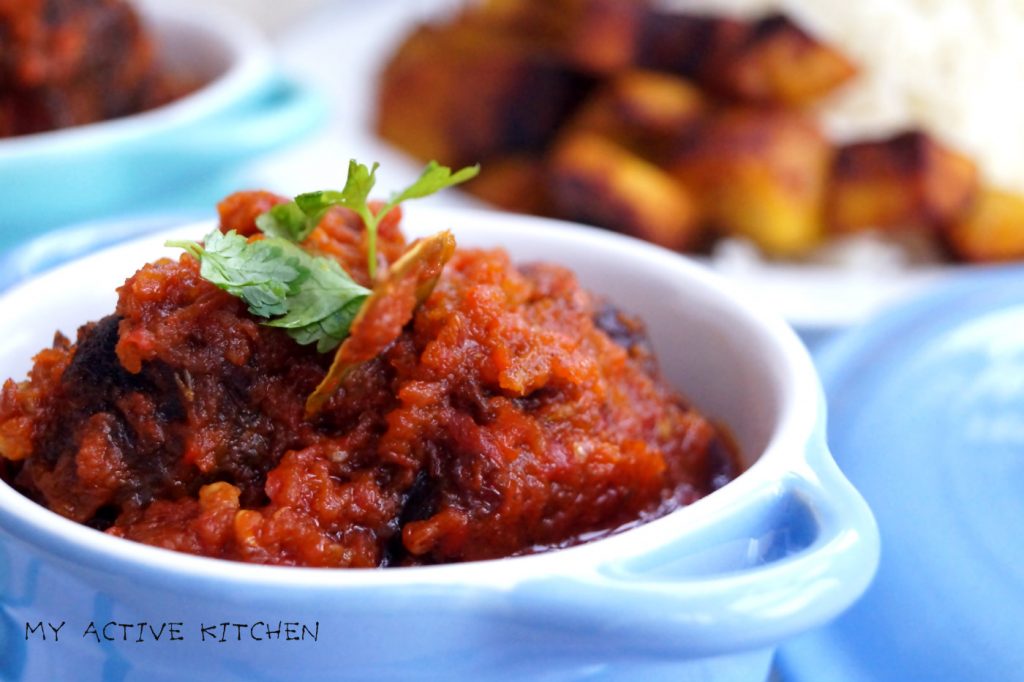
(926, 403)
(705, 593)
(167, 156)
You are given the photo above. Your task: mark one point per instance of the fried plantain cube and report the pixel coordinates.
(759, 173)
(779, 63)
(542, 22)
(689, 45)
(602, 34)
(457, 94)
(596, 36)
(513, 183)
(642, 110)
(593, 180)
(992, 230)
(906, 182)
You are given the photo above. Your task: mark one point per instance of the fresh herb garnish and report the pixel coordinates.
(287, 221)
(322, 309)
(408, 282)
(297, 219)
(311, 297)
(260, 273)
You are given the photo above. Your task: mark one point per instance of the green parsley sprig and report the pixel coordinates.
(297, 219)
(311, 297)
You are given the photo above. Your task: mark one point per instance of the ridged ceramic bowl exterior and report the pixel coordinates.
(705, 593)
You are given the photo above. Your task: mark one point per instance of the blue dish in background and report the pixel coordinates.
(926, 418)
(172, 156)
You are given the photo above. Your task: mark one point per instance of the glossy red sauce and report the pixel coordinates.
(515, 411)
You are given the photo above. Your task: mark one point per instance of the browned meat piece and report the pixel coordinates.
(772, 61)
(516, 182)
(596, 36)
(602, 34)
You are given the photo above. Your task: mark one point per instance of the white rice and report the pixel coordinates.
(952, 67)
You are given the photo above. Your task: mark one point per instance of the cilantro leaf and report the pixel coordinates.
(433, 179)
(259, 272)
(330, 331)
(295, 220)
(311, 297)
(286, 221)
(355, 195)
(324, 307)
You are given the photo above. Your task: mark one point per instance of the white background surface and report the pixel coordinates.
(273, 15)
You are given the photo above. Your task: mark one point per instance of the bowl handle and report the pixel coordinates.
(791, 555)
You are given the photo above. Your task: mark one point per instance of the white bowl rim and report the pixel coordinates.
(787, 452)
(250, 65)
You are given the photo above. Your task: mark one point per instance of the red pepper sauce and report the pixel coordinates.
(515, 411)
